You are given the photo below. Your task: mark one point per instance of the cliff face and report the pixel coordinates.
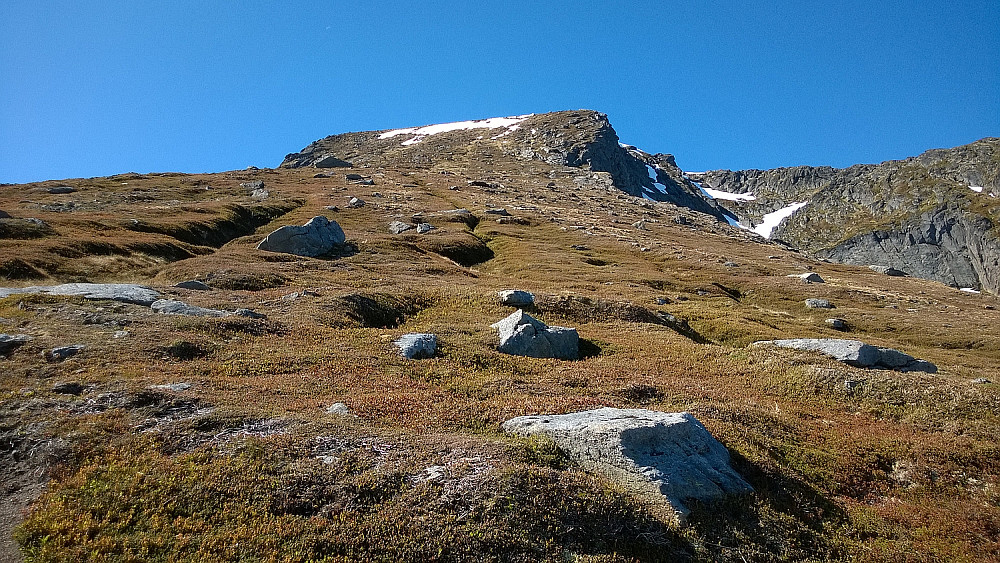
(583, 139)
(934, 216)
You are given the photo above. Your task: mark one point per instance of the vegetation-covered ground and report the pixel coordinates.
(246, 464)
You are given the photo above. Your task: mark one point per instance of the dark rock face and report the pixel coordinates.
(934, 216)
(582, 139)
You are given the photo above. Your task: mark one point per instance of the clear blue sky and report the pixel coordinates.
(93, 88)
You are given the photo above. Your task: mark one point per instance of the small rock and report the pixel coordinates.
(886, 270)
(10, 342)
(497, 211)
(663, 301)
(819, 304)
(580, 247)
(981, 381)
(366, 182)
(120, 334)
(175, 387)
(398, 227)
(62, 352)
(682, 220)
(355, 203)
(416, 346)
(173, 307)
(58, 190)
(837, 324)
(641, 225)
(340, 409)
(423, 228)
(321, 175)
(249, 314)
(68, 388)
(352, 177)
(253, 186)
(731, 265)
(808, 277)
(193, 284)
(260, 195)
(513, 221)
(856, 353)
(332, 208)
(516, 298)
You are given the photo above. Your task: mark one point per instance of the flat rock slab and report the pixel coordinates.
(317, 237)
(416, 346)
(856, 353)
(172, 307)
(124, 292)
(10, 342)
(670, 454)
(523, 335)
(63, 353)
(193, 284)
(819, 304)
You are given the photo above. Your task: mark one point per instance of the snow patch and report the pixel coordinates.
(719, 194)
(420, 133)
(969, 290)
(977, 189)
(773, 219)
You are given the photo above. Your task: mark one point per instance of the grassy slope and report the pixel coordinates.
(247, 464)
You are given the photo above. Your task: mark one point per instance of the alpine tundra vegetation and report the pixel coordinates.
(510, 339)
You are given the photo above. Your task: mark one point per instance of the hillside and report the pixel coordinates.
(291, 428)
(932, 216)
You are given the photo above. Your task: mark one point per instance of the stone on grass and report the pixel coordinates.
(59, 190)
(819, 304)
(399, 227)
(62, 353)
(808, 277)
(981, 381)
(424, 228)
(175, 387)
(837, 324)
(340, 409)
(516, 298)
(4, 214)
(416, 346)
(355, 202)
(173, 307)
(10, 342)
(193, 284)
(523, 335)
(856, 353)
(667, 456)
(887, 270)
(317, 237)
(124, 292)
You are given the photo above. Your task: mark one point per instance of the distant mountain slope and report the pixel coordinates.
(581, 138)
(933, 216)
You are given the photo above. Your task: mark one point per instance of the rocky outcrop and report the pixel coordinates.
(11, 342)
(316, 238)
(124, 292)
(523, 335)
(855, 353)
(932, 216)
(669, 455)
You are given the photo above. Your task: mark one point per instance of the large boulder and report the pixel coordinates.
(856, 353)
(124, 292)
(315, 238)
(523, 335)
(670, 455)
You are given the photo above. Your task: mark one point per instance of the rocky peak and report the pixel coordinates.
(581, 139)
